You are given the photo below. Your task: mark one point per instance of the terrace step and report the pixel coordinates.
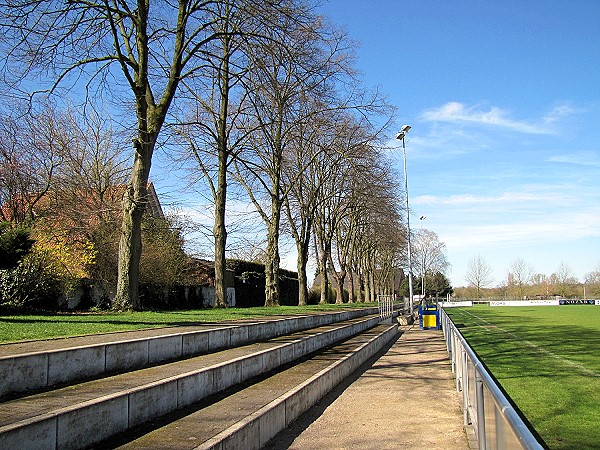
(34, 365)
(80, 415)
(248, 416)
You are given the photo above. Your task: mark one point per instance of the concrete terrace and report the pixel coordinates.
(331, 380)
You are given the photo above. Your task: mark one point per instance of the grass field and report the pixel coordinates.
(547, 358)
(43, 326)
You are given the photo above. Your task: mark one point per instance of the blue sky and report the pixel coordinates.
(504, 102)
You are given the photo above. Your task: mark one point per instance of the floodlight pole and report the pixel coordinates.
(422, 218)
(401, 136)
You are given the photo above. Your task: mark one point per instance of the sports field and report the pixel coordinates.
(547, 359)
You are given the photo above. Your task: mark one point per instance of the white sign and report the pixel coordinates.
(455, 304)
(525, 303)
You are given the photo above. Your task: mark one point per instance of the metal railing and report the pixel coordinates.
(386, 307)
(495, 421)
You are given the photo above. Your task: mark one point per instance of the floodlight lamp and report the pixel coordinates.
(402, 133)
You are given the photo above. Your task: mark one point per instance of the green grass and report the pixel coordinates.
(44, 326)
(547, 359)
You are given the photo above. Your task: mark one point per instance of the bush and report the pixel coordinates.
(47, 275)
(314, 295)
(32, 284)
(15, 244)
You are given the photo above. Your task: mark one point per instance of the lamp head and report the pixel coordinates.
(403, 130)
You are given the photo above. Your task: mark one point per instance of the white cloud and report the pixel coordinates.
(560, 112)
(506, 198)
(456, 112)
(519, 222)
(582, 159)
(522, 233)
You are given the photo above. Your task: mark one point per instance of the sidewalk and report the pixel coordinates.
(405, 400)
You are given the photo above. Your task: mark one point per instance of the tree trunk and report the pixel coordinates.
(130, 244)
(365, 294)
(341, 278)
(361, 286)
(272, 270)
(371, 277)
(339, 281)
(324, 276)
(219, 230)
(324, 284)
(220, 235)
(272, 263)
(352, 297)
(302, 260)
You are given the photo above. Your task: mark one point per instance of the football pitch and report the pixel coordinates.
(547, 359)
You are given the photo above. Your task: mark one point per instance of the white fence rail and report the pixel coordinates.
(495, 421)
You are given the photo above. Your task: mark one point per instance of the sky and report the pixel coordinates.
(503, 98)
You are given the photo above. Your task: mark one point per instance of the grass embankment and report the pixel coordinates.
(19, 327)
(548, 361)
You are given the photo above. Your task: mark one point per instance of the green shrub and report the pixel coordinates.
(15, 244)
(314, 296)
(32, 283)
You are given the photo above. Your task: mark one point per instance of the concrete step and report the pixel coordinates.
(249, 415)
(80, 415)
(35, 365)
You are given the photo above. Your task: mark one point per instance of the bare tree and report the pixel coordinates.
(429, 255)
(153, 45)
(301, 172)
(564, 279)
(371, 197)
(87, 186)
(479, 274)
(334, 167)
(368, 236)
(72, 184)
(592, 282)
(594, 276)
(87, 189)
(348, 197)
(380, 249)
(286, 74)
(519, 275)
(209, 132)
(32, 149)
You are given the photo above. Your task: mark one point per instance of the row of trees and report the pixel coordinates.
(522, 281)
(260, 95)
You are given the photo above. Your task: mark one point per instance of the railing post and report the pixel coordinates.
(385, 305)
(458, 362)
(465, 384)
(481, 437)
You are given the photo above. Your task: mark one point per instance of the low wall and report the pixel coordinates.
(39, 370)
(77, 426)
